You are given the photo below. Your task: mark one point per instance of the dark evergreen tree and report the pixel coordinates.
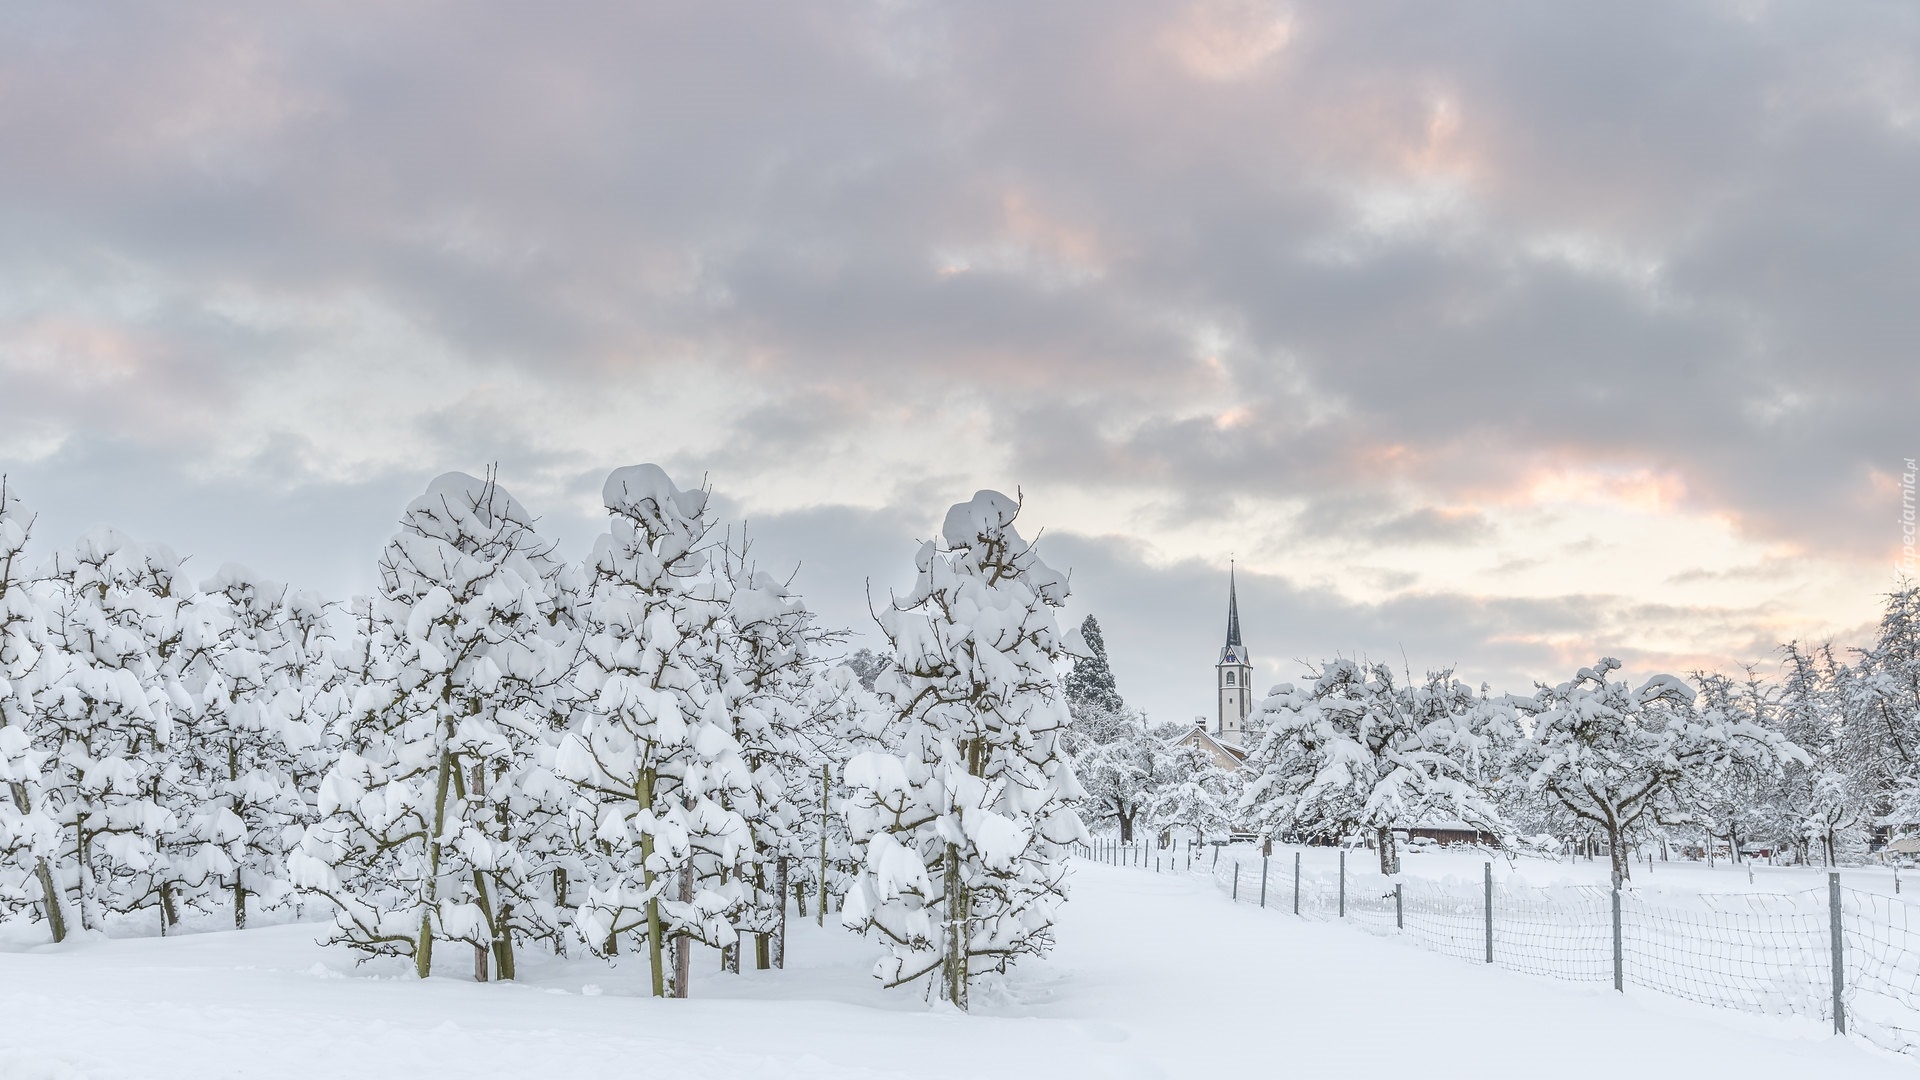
(867, 665)
(1090, 685)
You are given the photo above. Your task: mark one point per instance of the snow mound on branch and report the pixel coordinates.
(982, 518)
(647, 493)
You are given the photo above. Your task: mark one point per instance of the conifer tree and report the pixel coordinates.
(1089, 682)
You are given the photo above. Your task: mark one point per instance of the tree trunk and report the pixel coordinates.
(239, 901)
(643, 795)
(56, 914)
(1126, 828)
(482, 896)
(780, 890)
(1389, 852)
(682, 944)
(957, 931)
(423, 947)
(503, 943)
(1622, 866)
(56, 917)
(169, 910)
(826, 786)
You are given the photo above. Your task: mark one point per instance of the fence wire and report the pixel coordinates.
(1770, 953)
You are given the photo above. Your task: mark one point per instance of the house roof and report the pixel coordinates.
(1198, 734)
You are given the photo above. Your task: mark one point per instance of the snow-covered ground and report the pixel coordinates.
(1154, 976)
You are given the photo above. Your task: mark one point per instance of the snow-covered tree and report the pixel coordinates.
(441, 791)
(1356, 751)
(867, 665)
(1118, 762)
(656, 746)
(967, 824)
(767, 680)
(1137, 774)
(1191, 792)
(254, 750)
(844, 718)
(105, 720)
(1090, 684)
(29, 829)
(1621, 758)
(1880, 703)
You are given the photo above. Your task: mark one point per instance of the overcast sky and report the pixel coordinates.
(1484, 334)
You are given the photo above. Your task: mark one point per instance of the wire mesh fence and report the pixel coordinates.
(1845, 956)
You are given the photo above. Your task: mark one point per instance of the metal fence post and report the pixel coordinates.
(1489, 913)
(1296, 883)
(1236, 879)
(1839, 955)
(1619, 954)
(1343, 883)
(1263, 881)
(1399, 909)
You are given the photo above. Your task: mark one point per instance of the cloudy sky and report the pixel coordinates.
(1490, 335)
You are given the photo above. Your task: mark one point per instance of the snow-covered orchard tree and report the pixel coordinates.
(1356, 751)
(967, 824)
(1819, 801)
(843, 719)
(656, 743)
(105, 721)
(1621, 758)
(767, 680)
(29, 829)
(443, 788)
(1191, 794)
(1880, 696)
(257, 752)
(1118, 763)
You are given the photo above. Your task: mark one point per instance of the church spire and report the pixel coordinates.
(1233, 609)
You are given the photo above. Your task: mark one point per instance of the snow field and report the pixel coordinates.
(1743, 946)
(1154, 976)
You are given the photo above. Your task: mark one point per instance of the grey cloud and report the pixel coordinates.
(594, 191)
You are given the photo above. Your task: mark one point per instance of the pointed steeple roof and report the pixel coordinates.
(1233, 609)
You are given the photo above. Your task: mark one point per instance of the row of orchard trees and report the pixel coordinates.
(1818, 762)
(633, 753)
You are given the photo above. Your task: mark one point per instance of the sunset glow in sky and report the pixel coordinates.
(1485, 335)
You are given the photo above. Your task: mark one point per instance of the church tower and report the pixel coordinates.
(1233, 675)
